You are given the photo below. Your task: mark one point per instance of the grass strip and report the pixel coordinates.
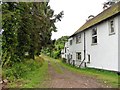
(107, 77)
(31, 74)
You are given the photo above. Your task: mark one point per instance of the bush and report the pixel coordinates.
(21, 69)
(63, 60)
(56, 54)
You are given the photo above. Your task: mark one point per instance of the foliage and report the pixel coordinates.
(27, 29)
(64, 60)
(54, 50)
(21, 69)
(30, 74)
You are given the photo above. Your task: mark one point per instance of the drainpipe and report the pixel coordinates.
(84, 51)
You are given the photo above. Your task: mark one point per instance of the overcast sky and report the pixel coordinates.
(76, 13)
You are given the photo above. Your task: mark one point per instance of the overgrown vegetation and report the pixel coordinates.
(64, 60)
(27, 29)
(54, 50)
(18, 70)
(27, 74)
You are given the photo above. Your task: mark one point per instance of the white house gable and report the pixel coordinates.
(95, 44)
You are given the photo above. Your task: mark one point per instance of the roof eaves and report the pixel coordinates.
(100, 17)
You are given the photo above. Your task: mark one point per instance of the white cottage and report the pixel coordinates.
(65, 51)
(96, 43)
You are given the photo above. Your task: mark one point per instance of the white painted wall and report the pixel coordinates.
(104, 55)
(119, 43)
(63, 53)
(76, 48)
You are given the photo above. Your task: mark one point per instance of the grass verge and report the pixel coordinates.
(106, 77)
(27, 74)
(53, 63)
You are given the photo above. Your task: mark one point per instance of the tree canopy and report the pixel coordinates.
(27, 29)
(54, 50)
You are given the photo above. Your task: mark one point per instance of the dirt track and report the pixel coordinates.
(69, 79)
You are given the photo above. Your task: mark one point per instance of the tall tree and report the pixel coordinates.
(28, 27)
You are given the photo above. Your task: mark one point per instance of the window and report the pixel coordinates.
(65, 49)
(112, 28)
(70, 42)
(67, 56)
(88, 58)
(78, 38)
(71, 57)
(78, 56)
(94, 36)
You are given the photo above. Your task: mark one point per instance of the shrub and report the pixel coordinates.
(21, 69)
(63, 60)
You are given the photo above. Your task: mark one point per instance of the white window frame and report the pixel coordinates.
(111, 26)
(94, 36)
(71, 42)
(78, 39)
(80, 58)
(89, 58)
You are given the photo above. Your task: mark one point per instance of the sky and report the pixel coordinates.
(76, 13)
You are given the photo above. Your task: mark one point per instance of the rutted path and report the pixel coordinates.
(61, 77)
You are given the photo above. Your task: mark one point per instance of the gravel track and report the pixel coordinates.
(69, 79)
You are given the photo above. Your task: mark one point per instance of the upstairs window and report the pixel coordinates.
(78, 38)
(112, 27)
(78, 56)
(94, 36)
(65, 50)
(70, 42)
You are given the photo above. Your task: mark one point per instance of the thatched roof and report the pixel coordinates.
(111, 11)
